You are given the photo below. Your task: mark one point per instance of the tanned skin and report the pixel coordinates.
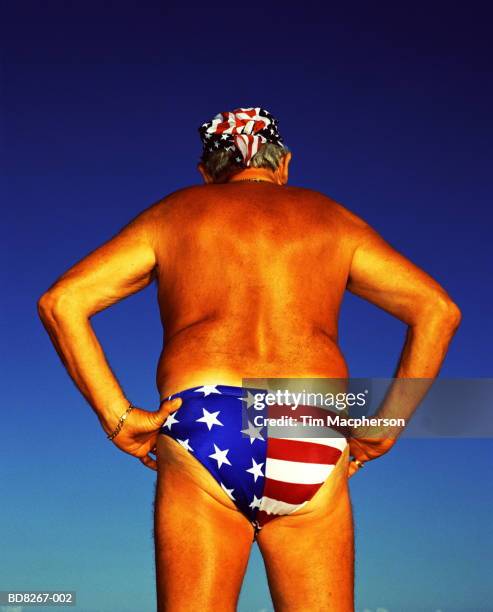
(250, 280)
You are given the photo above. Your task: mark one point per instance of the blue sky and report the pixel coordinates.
(387, 109)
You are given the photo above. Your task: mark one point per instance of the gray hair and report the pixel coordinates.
(221, 164)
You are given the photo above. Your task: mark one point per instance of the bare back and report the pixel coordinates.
(251, 277)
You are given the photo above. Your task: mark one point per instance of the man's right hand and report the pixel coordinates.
(366, 449)
(138, 436)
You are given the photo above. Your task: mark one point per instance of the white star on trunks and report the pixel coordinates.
(253, 432)
(185, 444)
(255, 503)
(220, 456)
(171, 420)
(207, 390)
(209, 418)
(229, 492)
(249, 399)
(256, 469)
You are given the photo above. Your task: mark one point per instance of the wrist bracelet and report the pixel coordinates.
(121, 420)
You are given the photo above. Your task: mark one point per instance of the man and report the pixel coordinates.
(251, 274)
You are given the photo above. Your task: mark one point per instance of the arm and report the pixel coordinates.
(122, 266)
(387, 279)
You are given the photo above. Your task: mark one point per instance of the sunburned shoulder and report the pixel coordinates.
(167, 203)
(343, 214)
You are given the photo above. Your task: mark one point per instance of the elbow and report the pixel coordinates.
(455, 315)
(446, 311)
(436, 310)
(46, 305)
(54, 304)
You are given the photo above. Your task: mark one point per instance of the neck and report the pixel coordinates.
(257, 174)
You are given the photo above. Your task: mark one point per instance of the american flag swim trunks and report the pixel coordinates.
(265, 476)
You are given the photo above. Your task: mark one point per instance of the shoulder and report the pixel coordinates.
(166, 205)
(173, 199)
(341, 213)
(158, 219)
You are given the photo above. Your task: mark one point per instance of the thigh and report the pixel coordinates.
(309, 555)
(202, 542)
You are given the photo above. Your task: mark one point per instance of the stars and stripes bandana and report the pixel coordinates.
(243, 130)
(264, 476)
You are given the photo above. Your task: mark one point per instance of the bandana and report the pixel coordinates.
(243, 130)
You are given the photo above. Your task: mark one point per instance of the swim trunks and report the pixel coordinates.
(266, 477)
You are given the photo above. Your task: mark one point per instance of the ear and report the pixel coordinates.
(283, 168)
(205, 175)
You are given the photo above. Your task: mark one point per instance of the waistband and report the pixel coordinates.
(202, 391)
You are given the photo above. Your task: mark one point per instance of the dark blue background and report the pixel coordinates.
(387, 109)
